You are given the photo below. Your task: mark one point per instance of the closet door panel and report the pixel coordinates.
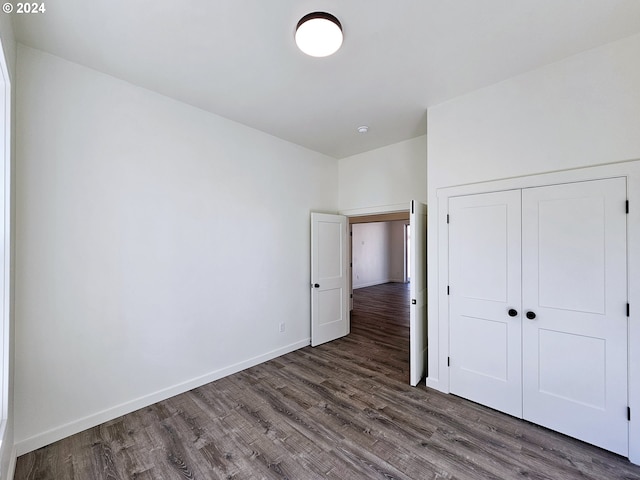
(575, 282)
(484, 280)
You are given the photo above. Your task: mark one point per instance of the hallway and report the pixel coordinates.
(381, 316)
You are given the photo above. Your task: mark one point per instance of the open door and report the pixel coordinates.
(418, 289)
(329, 277)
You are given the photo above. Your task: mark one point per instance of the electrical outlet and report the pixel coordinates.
(282, 325)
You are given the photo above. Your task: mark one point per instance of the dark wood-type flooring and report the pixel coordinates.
(343, 410)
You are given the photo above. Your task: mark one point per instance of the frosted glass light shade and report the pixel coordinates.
(319, 34)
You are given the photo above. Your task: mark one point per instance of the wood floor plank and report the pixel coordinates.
(342, 410)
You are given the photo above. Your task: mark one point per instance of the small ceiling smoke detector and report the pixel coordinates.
(363, 129)
(319, 34)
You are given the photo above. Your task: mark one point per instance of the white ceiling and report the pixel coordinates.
(237, 58)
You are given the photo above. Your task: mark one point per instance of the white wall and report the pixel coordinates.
(7, 451)
(158, 246)
(370, 254)
(385, 179)
(378, 253)
(582, 111)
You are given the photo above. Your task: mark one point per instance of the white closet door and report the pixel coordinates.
(484, 281)
(575, 282)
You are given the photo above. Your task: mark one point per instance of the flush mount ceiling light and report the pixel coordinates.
(319, 34)
(363, 129)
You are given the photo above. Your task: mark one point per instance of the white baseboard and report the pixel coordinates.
(436, 385)
(371, 284)
(378, 282)
(45, 438)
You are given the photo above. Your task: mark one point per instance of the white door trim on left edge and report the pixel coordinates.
(7, 449)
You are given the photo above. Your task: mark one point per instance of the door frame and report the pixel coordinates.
(438, 328)
(375, 214)
(6, 274)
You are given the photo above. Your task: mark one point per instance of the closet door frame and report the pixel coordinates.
(438, 328)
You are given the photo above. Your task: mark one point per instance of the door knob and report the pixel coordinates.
(531, 315)
(316, 285)
(512, 312)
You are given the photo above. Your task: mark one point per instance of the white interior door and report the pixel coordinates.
(418, 287)
(329, 277)
(575, 282)
(484, 299)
